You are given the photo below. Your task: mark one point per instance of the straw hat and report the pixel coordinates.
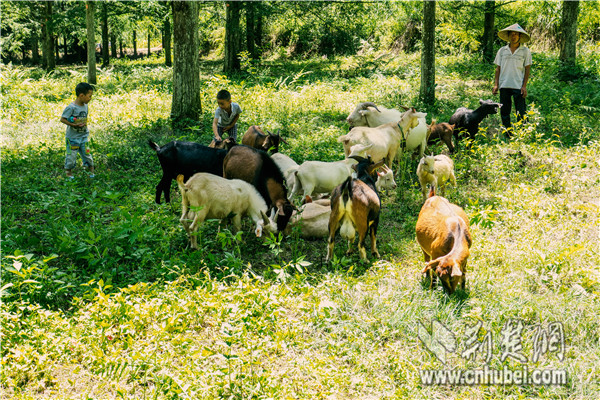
(503, 34)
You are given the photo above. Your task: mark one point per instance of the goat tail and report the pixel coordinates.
(153, 145)
(346, 190)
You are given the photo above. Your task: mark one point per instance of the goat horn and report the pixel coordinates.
(369, 104)
(405, 108)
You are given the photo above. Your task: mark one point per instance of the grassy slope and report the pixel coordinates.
(238, 319)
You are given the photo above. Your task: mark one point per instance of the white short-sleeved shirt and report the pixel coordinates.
(226, 118)
(512, 66)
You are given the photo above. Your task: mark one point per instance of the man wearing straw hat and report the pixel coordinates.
(513, 63)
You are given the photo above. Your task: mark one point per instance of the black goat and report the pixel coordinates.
(355, 206)
(185, 158)
(256, 167)
(465, 119)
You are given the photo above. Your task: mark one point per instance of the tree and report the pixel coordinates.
(167, 39)
(232, 36)
(427, 91)
(47, 40)
(90, 8)
(186, 71)
(568, 43)
(489, 17)
(104, 15)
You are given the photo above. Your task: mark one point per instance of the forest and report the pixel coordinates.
(103, 297)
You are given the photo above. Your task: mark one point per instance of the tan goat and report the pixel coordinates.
(443, 234)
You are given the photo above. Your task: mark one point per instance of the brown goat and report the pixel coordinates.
(226, 143)
(442, 131)
(443, 234)
(255, 137)
(258, 168)
(355, 206)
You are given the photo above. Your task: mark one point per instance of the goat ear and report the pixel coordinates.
(265, 219)
(280, 210)
(431, 265)
(456, 270)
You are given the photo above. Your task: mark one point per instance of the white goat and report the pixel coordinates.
(313, 219)
(436, 171)
(371, 115)
(320, 176)
(288, 168)
(383, 142)
(206, 196)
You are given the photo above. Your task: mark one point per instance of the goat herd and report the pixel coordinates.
(226, 180)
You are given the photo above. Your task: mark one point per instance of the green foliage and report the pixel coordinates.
(101, 293)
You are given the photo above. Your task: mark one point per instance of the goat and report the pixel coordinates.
(226, 143)
(312, 219)
(206, 196)
(186, 158)
(442, 131)
(386, 139)
(255, 137)
(256, 167)
(355, 206)
(436, 171)
(287, 166)
(443, 234)
(465, 119)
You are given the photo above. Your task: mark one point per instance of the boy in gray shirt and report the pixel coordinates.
(75, 117)
(226, 116)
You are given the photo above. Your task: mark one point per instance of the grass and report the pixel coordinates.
(103, 299)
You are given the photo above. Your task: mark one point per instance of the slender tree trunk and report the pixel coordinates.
(48, 43)
(427, 91)
(134, 43)
(121, 48)
(113, 45)
(56, 48)
(568, 48)
(232, 36)
(149, 37)
(186, 71)
(35, 50)
(167, 41)
(65, 47)
(105, 58)
(250, 31)
(258, 26)
(489, 17)
(90, 8)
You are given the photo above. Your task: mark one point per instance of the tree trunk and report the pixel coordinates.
(105, 58)
(48, 43)
(186, 71)
(134, 43)
(35, 50)
(90, 8)
(250, 31)
(258, 26)
(568, 48)
(427, 91)
(167, 41)
(121, 52)
(149, 37)
(488, 31)
(232, 36)
(113, 45)
(65, 47)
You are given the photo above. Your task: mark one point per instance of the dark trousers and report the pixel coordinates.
(506, 98)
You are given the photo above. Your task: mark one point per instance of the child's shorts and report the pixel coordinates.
(232, 132)
(75, 146)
